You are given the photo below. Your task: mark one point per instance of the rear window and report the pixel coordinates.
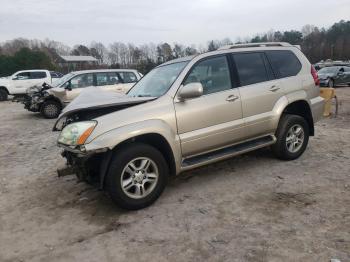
(37, 75)
(284, 63)
(251, 68)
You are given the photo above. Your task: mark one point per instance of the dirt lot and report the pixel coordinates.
(249, 208)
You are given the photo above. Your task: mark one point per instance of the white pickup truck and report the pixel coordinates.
(19, 82)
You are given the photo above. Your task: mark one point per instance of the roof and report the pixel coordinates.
(178, 60)
(264, 44)
(78, 58)
(104, 70)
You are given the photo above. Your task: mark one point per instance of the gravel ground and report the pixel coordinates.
(249, 208)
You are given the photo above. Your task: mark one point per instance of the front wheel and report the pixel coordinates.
(3, 95)
(137, 176)
(292, 137)
(50, 109)
(330, 83)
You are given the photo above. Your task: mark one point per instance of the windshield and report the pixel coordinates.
(157, 82)
(328, 70)
(62, 80)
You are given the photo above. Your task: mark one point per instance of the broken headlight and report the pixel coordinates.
(76, 133)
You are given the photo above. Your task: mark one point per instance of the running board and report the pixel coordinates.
(227, 152)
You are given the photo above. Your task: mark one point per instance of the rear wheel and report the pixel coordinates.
(50, 109)
(292, 137)
(3, 95)
(137, 176)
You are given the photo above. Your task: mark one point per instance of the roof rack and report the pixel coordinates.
(266, 44)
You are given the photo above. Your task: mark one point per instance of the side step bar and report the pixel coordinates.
(227, 152)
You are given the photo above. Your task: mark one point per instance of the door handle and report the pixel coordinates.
(231, 98)
(274, 88)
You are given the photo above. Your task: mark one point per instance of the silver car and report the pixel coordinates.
(191, 112)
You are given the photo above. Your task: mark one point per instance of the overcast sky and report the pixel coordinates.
(182, 21)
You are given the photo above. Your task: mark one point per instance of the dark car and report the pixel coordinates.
(334, 75)
(56, 74)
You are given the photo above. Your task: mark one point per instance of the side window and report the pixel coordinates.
(212, 73)
(22, 76)
(103, 79)
(251, 68)
(113, 78)
(284, 63)
(128, 77)
(37, 75)
(82, 81)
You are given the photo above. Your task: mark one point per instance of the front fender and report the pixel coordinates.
(114, 137)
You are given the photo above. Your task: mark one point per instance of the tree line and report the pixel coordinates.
(18, 54)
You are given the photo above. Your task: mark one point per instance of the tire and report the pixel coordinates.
(50, 109)
(3, 95)
(287, 127)
(130, 198)
(331, 83)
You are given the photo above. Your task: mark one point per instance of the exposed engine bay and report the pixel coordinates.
(94, 102)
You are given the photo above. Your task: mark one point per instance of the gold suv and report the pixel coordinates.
(191, 112)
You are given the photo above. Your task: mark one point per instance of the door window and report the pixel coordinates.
(128, 77)
(284, 63)
(82, 81)
(212, 73)
(22, 76)
(37, 75)
(103, 79)
(251, 68)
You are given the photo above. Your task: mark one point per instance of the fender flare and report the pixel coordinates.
(112, 138)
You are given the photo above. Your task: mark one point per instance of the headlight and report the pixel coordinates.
(76, 133)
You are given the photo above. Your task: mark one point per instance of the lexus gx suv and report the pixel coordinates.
(191, 112)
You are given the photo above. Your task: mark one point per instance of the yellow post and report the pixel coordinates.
(327, 94)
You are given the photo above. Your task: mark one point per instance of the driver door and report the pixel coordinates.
(214, 119)
(76, 85)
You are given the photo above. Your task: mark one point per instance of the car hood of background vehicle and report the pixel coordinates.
(4, 80)
(94, 102)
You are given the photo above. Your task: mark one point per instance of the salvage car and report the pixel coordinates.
(19, 82)
(334, 75)
(190, 112)
(49, 100)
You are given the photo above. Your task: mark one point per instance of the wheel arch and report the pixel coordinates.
(52, 98)
(156, 140)
(301, 108)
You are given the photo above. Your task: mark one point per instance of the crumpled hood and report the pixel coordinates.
(95, 102)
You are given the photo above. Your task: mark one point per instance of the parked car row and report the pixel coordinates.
(19, 82)
(49, 100)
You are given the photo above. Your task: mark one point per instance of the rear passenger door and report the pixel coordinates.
(259, 90)
(109, 81)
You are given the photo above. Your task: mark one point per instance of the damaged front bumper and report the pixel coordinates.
(33, 103)
(87, 166)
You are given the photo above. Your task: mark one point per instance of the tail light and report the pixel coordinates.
(315, 76)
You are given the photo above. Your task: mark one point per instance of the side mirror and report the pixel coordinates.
(68, 86)
(191, 90)
(14, 78)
